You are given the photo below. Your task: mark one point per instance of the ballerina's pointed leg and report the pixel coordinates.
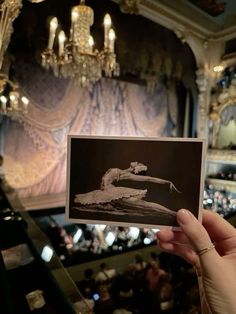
(144, 205)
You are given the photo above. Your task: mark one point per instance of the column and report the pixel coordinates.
(204, 89)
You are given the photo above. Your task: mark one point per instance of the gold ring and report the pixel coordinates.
(205, 250)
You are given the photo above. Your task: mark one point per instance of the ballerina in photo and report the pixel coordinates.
(112, 197)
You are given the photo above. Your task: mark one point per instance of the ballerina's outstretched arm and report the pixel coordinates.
(135, 177)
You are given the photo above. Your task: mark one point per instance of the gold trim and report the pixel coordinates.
(227, 185)
(167, 16)
(222, 156)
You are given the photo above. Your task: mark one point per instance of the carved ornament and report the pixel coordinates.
(130, 6)
(219, 155)
(222, 110)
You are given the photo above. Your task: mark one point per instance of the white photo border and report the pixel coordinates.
(132, 138)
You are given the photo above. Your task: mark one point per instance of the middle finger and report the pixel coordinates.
(168, 235)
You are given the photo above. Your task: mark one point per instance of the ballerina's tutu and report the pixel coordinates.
(108, 195)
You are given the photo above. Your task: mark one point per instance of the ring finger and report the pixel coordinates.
(181, 250)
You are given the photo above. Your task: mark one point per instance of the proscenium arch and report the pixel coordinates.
(160, 15)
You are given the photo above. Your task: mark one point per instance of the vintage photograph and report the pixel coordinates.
(133, 181)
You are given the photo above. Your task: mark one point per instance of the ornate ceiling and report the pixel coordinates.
(211, 7)
(193, 14)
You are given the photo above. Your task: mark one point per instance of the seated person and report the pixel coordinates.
(87, 286)
(105, 304)
(105, 274)
(153, 275)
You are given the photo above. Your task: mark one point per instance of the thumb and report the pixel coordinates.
(197, 236)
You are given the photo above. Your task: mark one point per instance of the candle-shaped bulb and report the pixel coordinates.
(111, 37)
(52, 32)
(91, 41)
(107, 20)
(112, 34)
(74, 15)
(25, 102)
(61, 42)
(74, 19)
(53, 24)
(3, 99)
(61, 36)
(12, 97)
(107, 26)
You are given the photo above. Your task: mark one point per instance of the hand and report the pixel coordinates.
(217, 266)
(173, 188)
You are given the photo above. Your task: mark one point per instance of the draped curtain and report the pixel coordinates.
(35, 148)
(229, 113)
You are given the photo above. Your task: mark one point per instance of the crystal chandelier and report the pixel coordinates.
(9, 10)
(12, 103)
(76, 57)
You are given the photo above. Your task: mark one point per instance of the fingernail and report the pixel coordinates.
(184, 216)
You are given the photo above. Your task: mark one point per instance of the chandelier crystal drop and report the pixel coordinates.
(12, 103)
(76, 57)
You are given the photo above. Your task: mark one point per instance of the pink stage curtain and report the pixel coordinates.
(35, 147)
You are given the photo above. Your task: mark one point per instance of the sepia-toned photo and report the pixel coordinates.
(133, 181)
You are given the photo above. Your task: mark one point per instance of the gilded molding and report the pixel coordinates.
(227, 185)
(223, 156)
(226, 99)
(171, 19)
(130, 6)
